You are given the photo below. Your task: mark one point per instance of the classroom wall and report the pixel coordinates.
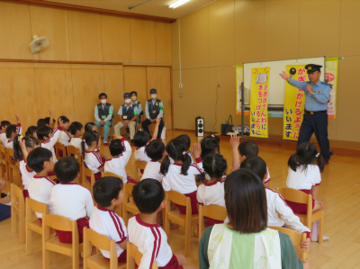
(229, 32)
(30, 89)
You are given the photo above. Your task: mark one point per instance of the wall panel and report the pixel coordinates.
(163, 42)
(143, 40)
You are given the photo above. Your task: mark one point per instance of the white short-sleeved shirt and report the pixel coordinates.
(49, 144)
(117, 164)
(71, 201)
(26, 174)
(303, 179)
(10, 142)
(108, 223)
(151, 240)
(40, 190)
(140, 155)
(174, 180)
(65, 138)
(3, 138)
(76, 142)
(152, 170)
(93, 161)
(211, 193)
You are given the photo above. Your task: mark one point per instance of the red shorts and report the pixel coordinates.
(66, 237)
(97, 177)
(60, 152)
(26, 194)
(142, 171)
(212, 222)
(121, 258)
(172, 264)
(300, 208)
(51, 174)
(131, 180)
(194, 204)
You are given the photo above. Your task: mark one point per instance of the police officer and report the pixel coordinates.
(103, 115)
(315, 119)
(128, 115)
(136, 103)
(153, 109)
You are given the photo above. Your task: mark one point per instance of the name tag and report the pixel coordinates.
(124, 117)
(103, 117)
(154, 111)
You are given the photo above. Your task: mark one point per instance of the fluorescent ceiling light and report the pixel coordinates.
(178, 3)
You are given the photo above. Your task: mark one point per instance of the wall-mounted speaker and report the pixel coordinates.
(199, 126)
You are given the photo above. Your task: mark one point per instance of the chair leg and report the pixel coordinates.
(13, 221)
(188, 233)
(167, 224)
(22, 228)
(28, 246)
(46, 258)
(321, 229)
(76, 257)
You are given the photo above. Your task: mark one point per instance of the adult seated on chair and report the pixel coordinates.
(128, 116)
(136, 103)
(104, 115)
(154, 109)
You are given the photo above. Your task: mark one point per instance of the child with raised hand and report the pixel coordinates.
(276, 204)
(91, 157)
(141, 139)
(156, 152)
(246, 150)
(120, 150)
(211, 191)
(69, 199)
(41, 161)
(210, 145)
(76, 129)
(4, 125)
(32, 131)
(304, 174)
(11, 131)
(180, 175)
(65, 137)
(108, 193)
(146, 234)
(22, 147)
(90, 126)
(246, 242)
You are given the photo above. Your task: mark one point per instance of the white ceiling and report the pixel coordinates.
(154, 7)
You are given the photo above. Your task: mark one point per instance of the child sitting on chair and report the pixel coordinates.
(11, 131)
(91, 157)
(156, 151)
(76, 129)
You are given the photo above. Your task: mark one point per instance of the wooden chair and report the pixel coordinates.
(139, 165)
(297, 196)
(97, 261)
(185, 220)
(89, 173)
(18, 210)
(53, 244)
(33, 224)
(296, 238)
(135, 256)
(118, 209)
(215, 212)
(4, 162)
(75, 152)
(129, 208)
(13, 168)
(60, 146)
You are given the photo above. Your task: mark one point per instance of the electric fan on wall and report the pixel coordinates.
(39, 43)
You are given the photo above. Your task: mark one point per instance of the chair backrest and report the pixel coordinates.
(98, 240)
(59, 223)
(61, 146)
(215, 212)
(296, 238)
(134, 255)
(177, 197)
(36, 207)
(2, 152)
(10, 156)
(141, 164)
(88, 172)
(17, 198)
(110, 174)
(294, 195)
(73, 151)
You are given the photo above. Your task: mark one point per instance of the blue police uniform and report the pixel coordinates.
(315, 115)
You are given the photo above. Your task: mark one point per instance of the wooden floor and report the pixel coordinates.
(339, 191)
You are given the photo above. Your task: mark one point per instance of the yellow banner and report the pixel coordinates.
(259, 101)
(294, 103)
(331, 76)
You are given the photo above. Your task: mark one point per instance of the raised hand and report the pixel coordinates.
(234, 141)
(284, 75)
(17, 118)
(196, 150)
(158, 120)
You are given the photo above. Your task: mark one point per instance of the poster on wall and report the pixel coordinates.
(294, 103)
(259, 102)
(331, 77)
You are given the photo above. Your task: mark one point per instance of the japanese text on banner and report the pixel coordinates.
(259, 102)
(294, 103)
(331, 75)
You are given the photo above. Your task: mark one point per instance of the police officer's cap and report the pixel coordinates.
(312, 68)
(153, 91)
(133, 92)
(127, 95)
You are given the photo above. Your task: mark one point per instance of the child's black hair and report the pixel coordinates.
(5, 123)
(31, 130)
(74, 127)
(10, 129)
(107, 189)
(30, 142)
(176, 149)
(44, 131)
(67, 169)
(88, 126)
(37, 157)
(248, 148)
(210, 145)
(116, 147)
(255, 164)
(102, 94)
(155, 150)
(214, 165)
(148, 195)
(64, 119)
(306, 153)
(186, 139)
(47, 120)
(41, 122)
(89, 137)
(141, 138)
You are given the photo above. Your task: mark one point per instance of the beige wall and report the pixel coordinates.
(70, 89)
(230, 32)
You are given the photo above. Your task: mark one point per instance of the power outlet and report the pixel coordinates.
(180, 85)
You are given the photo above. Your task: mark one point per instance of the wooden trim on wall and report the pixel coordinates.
(92, 9)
